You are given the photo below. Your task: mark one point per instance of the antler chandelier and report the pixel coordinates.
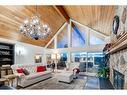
(33, 27)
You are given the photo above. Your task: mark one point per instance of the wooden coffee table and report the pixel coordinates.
(10, 78)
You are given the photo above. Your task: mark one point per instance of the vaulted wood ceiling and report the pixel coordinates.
(96, 17)
(12, 16)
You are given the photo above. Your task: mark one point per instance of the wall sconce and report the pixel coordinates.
(20, 51)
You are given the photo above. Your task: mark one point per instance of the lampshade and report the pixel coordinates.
(58, 56)
(53, 56)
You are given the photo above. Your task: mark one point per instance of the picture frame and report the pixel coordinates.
(124, 15)
(38, 58)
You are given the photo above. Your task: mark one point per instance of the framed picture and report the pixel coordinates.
(38, 58)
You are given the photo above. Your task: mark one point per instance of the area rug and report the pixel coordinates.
(53, 83)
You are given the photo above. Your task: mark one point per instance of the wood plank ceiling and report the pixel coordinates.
(12, 16)
(96, 17)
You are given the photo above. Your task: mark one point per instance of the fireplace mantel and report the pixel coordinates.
(119, 44)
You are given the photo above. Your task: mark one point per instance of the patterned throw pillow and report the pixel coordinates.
(26, 72)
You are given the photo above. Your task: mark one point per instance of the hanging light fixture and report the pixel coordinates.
(34, 29)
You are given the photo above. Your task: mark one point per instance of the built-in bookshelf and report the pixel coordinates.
(6, 58)
(6, 54)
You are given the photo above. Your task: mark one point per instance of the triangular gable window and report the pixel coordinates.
(62, 38)
(78, 37)
(96, 40)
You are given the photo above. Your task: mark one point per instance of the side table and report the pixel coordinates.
(10, 78)
(3, 80)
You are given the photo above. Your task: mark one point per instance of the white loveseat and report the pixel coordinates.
(33, 77)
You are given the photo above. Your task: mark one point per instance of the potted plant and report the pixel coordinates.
(104, 72)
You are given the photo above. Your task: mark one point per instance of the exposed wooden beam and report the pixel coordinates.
(65, 16)
(62, 12)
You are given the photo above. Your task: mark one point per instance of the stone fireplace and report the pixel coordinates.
(118, 60)
(118, 69)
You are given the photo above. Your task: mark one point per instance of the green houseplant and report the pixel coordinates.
(103, 72)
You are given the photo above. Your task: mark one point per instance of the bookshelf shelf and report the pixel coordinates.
(6, 57)
(6, 52)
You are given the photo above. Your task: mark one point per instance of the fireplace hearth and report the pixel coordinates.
(118, 80)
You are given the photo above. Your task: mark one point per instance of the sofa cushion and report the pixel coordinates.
(20, 70)
(35, 75)
(41, 68)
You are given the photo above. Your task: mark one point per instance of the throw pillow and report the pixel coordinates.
(76, 69)
(26, 72)
(20, 70)
(41, 68)
(44, 68)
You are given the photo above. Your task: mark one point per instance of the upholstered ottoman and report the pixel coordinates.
(65, 77)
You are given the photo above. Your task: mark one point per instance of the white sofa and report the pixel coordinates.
(33, 77)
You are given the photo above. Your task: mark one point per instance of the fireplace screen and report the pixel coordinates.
(118, 80)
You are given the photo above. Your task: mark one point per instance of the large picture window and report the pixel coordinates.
(78, 37)
(89, 61)
(95, 39)
(62, 38)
